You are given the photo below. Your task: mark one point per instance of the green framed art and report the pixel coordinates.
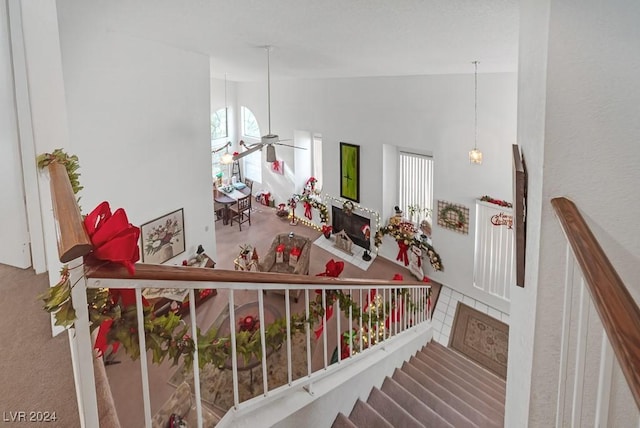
(350, 171)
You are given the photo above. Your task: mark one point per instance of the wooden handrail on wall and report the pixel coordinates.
(618, 311)
(73, 241)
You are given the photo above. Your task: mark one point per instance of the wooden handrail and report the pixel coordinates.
(73, 241)
(97, 269)
(618, 311)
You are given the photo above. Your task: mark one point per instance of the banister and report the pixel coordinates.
(73, 241)
(618, 311)
(97, 269)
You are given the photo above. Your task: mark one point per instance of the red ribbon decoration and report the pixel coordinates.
(114, 239)
(402, 253)
(275, 165)
(307, 210)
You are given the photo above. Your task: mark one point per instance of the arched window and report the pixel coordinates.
(252, 164)
(250, 127)
(219, 124)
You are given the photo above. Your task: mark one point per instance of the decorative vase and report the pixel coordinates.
(166, 252)
(327, 235)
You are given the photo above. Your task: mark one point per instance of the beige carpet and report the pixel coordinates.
(36, 373)
(481, 338)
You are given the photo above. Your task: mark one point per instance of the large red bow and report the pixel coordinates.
(116, 240)
(113, 237)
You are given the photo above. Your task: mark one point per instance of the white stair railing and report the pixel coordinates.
(600, 321)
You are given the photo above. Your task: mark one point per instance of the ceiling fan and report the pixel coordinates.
(270, 139)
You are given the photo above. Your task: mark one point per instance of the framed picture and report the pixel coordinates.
(163, 238)
(350, 171)
(519, 210)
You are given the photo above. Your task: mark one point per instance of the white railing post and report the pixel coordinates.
(265, 381)
(604, 382)
(142, 343)
(82, 349)
(196, 357)
(564, 342)
(234, 351)
(287, 308)
(581, 351)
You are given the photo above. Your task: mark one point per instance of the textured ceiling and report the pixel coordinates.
(329, 38)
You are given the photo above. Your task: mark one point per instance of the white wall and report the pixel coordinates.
(579, 131)
(139, 121)
(430, 113)
(15, 249)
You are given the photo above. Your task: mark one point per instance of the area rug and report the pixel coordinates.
(216, 385)
(481, 338)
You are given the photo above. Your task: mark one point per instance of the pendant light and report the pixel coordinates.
(226, 158)
(475, 155)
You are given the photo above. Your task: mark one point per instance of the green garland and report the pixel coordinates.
(322, 208)
(461, 221)
(70, 163)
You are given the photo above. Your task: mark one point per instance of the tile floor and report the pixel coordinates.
(446, 310)
(355, 259)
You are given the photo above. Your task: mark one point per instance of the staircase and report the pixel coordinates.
(437, 387)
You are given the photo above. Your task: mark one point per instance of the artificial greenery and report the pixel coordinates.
(405, 233)
(70, 163)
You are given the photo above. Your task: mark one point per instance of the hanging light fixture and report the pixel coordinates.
(475, 155)
(226, 158)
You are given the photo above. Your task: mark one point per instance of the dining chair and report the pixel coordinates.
(249, 183)
(241, 211)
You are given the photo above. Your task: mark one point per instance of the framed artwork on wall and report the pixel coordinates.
(350, 171)
(163, 237)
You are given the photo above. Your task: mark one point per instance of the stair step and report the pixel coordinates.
(392, 411)
(487, 376)
(460, 404)
(426, 415)
(363, 415)
(343, 422)
(469, 382)
(466, 368)
(477, 399)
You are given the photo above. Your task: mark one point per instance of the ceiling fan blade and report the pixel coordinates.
(250, 150)
(289, 145)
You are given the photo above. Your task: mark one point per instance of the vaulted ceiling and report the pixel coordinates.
(329, 38)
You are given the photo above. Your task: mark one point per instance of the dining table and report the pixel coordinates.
(228, 198)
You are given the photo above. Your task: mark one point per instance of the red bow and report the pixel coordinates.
(402, 253)
(114, 239)
(332, 269)
(276, 166)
